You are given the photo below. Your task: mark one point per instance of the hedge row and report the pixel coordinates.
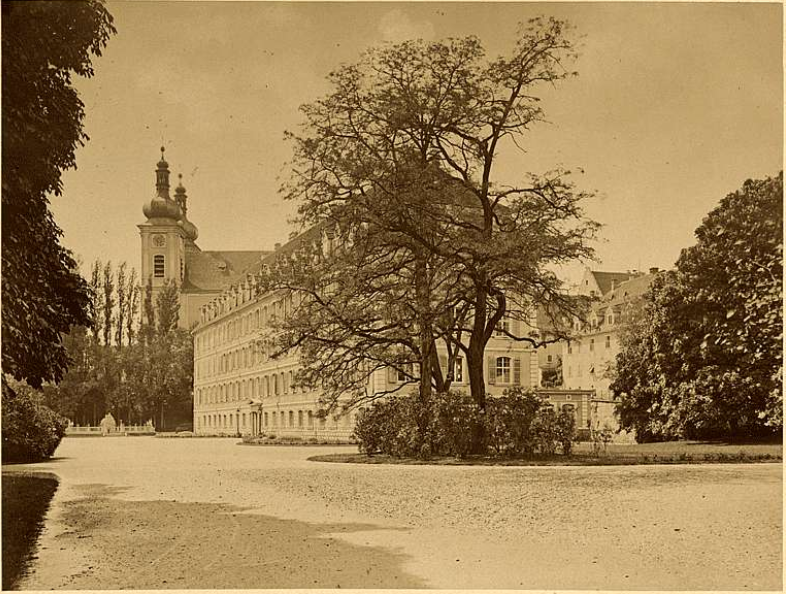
(518, 424)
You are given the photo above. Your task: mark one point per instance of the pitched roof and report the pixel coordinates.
(607, 280)
(628, 290)
(213, 271)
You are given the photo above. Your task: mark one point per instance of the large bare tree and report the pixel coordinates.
(406, 145)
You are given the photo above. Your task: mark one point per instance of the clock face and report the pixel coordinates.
(159, 240)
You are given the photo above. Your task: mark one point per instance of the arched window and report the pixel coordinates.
(503, 370)
(158, 266)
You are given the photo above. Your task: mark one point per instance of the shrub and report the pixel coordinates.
(516, 424)
(565, 431)
(31, 431)
(509, 422)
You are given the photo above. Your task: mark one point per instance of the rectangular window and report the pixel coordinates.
(459, 372)
(503, 370)
(592, 344)
(503, 326)
(158, 266)
(608, 342)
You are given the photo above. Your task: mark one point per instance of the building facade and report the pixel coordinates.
(240, 389)
(589, 359)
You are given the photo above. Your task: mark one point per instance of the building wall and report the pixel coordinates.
(239, 388)
(588, 360)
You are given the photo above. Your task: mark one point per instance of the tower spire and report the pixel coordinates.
(162, 177)
(180, 194)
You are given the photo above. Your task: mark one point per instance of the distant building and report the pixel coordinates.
(170, 252)
(588, 359)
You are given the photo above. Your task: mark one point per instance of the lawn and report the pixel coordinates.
(675, 452)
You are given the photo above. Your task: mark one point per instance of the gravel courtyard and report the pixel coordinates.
(149, 513)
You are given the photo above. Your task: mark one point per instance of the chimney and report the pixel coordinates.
(654, 270)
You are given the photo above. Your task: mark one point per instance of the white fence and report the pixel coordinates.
(118, 431)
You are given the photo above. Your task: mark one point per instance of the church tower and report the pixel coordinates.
(164, 234)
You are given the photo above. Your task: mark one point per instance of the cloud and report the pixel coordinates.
(397, 26)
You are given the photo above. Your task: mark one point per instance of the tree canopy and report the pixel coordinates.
(704, 357)
(399, 158)
(44, 44)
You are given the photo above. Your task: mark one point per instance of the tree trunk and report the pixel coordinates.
(426, 346)
(477, 349)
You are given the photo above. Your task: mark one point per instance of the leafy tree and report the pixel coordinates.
(404, 148)
(108, 305)
(167, 307)
(148, 376)
(703, 355)
(132, 306)
(122, 304)
(44, 44)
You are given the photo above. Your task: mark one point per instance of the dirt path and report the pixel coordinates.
(155, 513)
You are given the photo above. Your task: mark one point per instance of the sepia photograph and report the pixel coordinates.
(392, 295)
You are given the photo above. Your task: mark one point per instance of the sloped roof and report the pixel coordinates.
(628, 290)
(309, 235)
(213, 271)
(606, 280)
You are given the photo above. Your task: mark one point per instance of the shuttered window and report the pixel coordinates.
(517, 371)
(158, 266)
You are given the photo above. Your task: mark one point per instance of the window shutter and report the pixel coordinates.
(517, 371)
(515, 327)
(392, 375)
(491, 365)
(443, 364)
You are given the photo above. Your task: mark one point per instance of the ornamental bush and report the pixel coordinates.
(517, 424)
(31, 431)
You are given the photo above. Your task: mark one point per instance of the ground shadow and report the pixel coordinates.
(166, 544)
(26, 499)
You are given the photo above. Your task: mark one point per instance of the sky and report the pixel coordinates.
(675, 106)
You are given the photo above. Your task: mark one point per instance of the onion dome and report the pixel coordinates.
(181, 199)
(162, 206)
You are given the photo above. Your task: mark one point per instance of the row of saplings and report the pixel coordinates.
(519, 424)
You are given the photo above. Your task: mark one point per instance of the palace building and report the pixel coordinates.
(239, 389)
